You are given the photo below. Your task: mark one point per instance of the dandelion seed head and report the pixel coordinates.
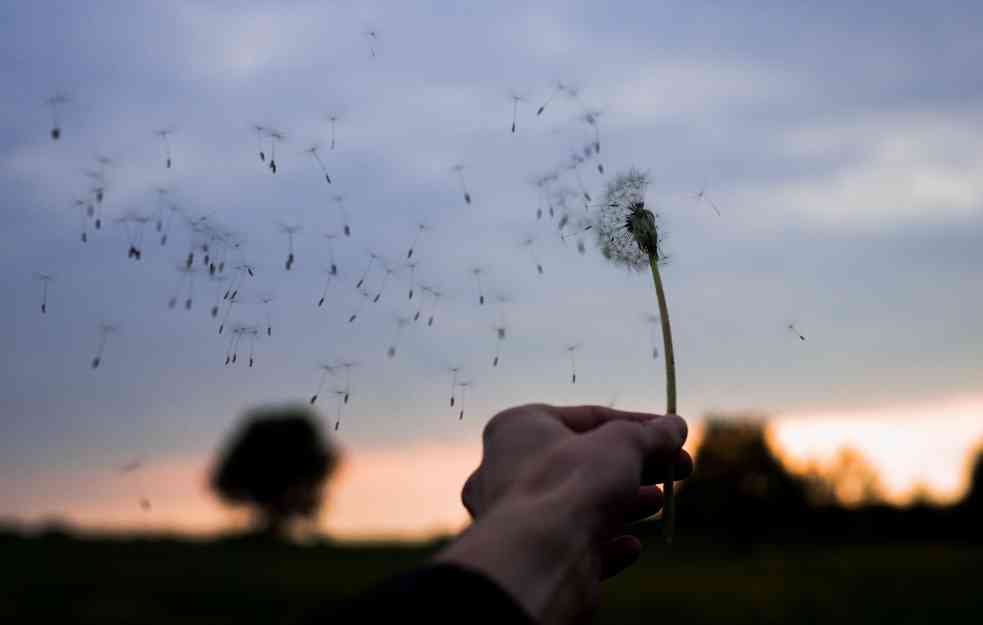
(627, 233)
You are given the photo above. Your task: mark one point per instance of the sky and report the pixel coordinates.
(843, 146)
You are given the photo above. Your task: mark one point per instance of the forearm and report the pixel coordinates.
(533, 550)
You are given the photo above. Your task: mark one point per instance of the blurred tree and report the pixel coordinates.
(854, 480)
(277, 462)
(739, 486)
(974, 498)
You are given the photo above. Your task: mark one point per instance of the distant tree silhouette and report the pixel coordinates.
(277, 462)
(854, 480)
(739, 486)
(974, 498)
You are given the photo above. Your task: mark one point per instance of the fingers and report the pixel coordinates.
(619, 554)
(656, 468)
(656, 440)
(648, 503)
(585, 418)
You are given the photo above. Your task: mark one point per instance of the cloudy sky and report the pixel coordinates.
(842, 145)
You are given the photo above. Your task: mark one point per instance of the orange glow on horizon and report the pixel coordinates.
(413, 491)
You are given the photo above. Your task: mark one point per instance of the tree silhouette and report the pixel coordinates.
(739, 486)
(974, 498)
(277, 462)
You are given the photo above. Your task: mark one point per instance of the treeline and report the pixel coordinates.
(741, 494)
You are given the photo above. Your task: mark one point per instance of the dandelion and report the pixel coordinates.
(317, 157)
(401, 323)
(45, 279)
(164, 134)
(793, 328)
(628, 234)
(290, 230)
(459, 170)
(343, 212)
(105, 329)
(572, 352)
(54, 102)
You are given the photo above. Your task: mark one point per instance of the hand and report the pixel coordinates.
(551, 498)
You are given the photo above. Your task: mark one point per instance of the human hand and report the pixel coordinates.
(554, 491)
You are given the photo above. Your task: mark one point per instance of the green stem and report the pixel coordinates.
(669, 516)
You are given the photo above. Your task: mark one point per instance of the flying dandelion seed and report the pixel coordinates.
(85, 210)
(528, 244)
(343, 213)
(172, 209)
(134, 225)
(55, 102)
(454, 371)
(164, 135)
(459, 170)
(329, 237)
(654, 323)
(326, 370)
(558, 89)
(411, 266)
(591, 119)
(702, 197)
(545, 194)
(332, 118)
(341, 398)
(275, 137)
(219, 282)
(348, 365)
(476, 272)
(373, 258)
(401, 323)
(516, 98)
(45, 279)
(576, 161)
(266, 300)
(628, 234)
(105, 329)
(365, 296)
(372, 37)
(313, 151)
(421, 229)
(253, 334)
(260, 130)
(794, 329)
(231, 301)
(464, 386)
(290, 230)
(572, 351)
(235, 337)
(184, 288)
(330, 273)
(388, 273)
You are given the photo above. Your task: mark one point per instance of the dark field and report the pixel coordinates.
(58, 579)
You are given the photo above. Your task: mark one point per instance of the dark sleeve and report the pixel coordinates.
(438, 593)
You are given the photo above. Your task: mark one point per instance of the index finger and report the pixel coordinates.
(586, 418)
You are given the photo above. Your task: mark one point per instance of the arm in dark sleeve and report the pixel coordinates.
(438, 593)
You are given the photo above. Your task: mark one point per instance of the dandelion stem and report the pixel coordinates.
(669, 517)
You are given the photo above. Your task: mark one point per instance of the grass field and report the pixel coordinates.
(57, 579)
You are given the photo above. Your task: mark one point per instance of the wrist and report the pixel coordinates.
(534, 550)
